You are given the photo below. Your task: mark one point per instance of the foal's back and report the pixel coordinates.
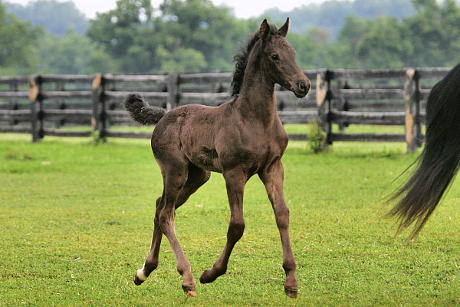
(214, 138)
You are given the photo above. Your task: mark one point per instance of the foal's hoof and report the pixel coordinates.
(139, 277)
(137, 280)
(207, 277)
(189, 290)
(291, 292)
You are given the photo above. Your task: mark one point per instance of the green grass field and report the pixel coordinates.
(76, 221)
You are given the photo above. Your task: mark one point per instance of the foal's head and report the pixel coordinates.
(277, 59)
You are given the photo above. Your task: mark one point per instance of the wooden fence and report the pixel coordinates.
(49, 104)
(375, 97)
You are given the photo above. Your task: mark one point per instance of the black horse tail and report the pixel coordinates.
(141, 111)
(439, 161)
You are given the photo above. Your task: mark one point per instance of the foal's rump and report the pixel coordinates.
(440, 159)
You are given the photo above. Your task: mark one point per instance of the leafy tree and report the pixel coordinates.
(386, 34)
(72, 54)
(199, 25)
(174, 61)
(127, 34)
(195, 35)
(311, 48)
(431, 37)
(332, 15)
(434, 33)
(17, 41)
(191, 35)
(56, 17)
(353, 33)
(119, 29)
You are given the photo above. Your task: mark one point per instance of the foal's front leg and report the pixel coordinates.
(273, 178)
(235, 182)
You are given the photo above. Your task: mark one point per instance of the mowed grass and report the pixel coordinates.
(76, 222)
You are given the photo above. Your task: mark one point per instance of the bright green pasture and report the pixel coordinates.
(76, 222)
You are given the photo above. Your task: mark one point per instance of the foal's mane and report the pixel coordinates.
(241, 60)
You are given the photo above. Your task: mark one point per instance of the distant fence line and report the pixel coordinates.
(46, 104)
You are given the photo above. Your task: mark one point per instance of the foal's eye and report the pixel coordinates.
(275, 57)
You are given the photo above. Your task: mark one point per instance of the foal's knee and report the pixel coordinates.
(236, 229)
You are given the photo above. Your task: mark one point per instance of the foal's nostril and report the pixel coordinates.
(302, 86)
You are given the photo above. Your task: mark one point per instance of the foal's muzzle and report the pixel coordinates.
(301, 88)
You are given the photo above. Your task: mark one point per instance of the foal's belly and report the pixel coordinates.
(209, 159)
(206, 158)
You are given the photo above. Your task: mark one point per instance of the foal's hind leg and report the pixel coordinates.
(273, 179)
(196, 178)
(235, 182)
(151, 262)
(175, 173)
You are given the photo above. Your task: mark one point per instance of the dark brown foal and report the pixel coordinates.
(239, 139)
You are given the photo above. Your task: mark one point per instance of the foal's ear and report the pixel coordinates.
(283, 31)
(264, 29)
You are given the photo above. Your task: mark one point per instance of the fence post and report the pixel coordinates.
(340, 101)
(173, 91)
(412, 105)
(36, 102)
(99, 116)
(323, 102)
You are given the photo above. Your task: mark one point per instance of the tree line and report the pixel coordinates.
(197, 36)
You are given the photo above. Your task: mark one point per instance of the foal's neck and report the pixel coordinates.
(257, 96)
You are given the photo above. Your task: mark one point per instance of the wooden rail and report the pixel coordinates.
(42, 104)
(375, 97)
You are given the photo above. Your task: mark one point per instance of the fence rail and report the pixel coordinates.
(44, 104)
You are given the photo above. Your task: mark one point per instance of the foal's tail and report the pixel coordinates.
(439, 162)
(141, 111)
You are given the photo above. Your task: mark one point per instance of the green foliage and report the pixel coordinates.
(181, 59)
(332, 15)
(72, 54)
(431, 37)
(434, 33)
(17, 41)
(55, 17)
(316, 137)
(312, 48)
(182, 36)
(81, 216)
(197, 36)
(96, 138)
(387, 34)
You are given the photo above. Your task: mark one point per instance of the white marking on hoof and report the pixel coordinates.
(140, 274)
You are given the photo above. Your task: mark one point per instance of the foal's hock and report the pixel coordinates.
(239, 139)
